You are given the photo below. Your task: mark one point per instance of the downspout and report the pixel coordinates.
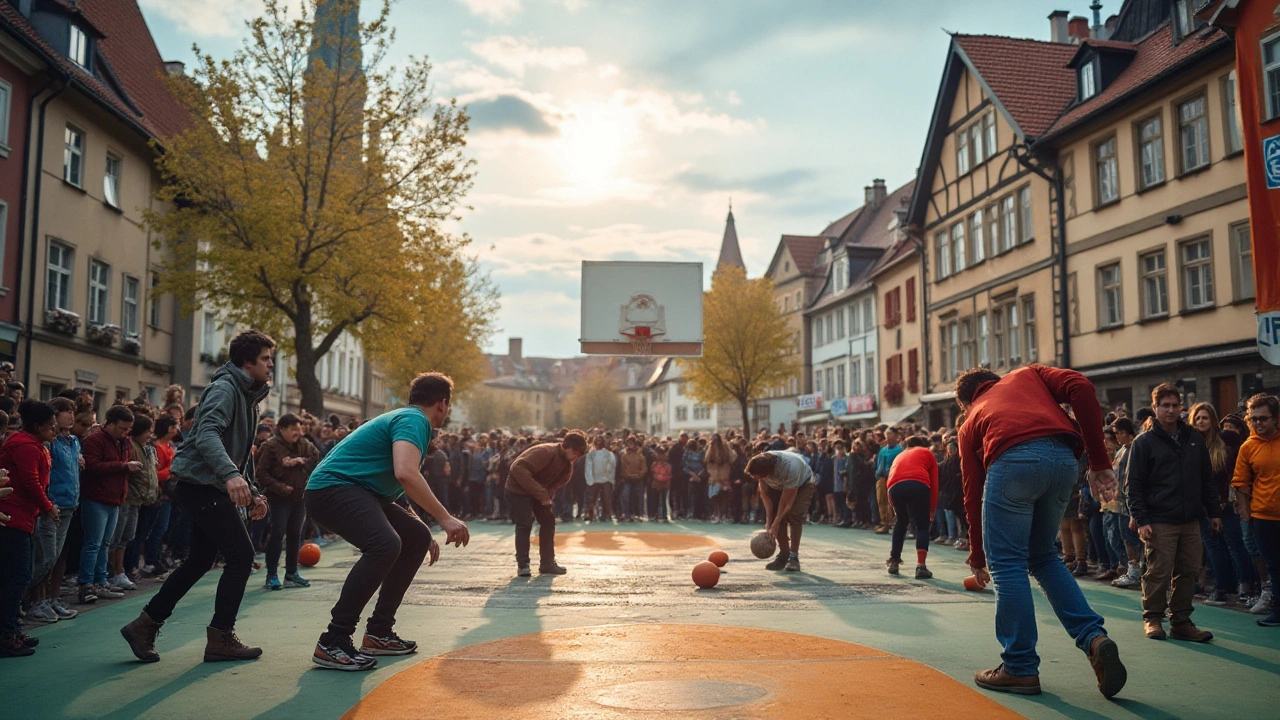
(927, 360)
(35, 225)
(1023, 154)
(22, 210)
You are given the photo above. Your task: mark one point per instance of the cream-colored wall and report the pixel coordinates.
(903, 337)
(787, 281)
(1228, 321)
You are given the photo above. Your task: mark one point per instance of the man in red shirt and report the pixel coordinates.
(1018, 457)
(913, 489)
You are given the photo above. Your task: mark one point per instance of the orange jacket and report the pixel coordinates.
(1258, 472)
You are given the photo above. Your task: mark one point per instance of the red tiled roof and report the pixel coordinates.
(1029, 78)
(805, 251)
(1156, 55)
(838, 228)
(878, 233)
(900, 250)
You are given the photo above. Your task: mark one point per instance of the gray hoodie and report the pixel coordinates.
(217, 448)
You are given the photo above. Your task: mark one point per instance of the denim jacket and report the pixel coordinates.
(64, 476)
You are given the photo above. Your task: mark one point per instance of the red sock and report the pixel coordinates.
(920, 555)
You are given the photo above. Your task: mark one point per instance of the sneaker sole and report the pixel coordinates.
(228, 658)
(1113, 669)
(1008, 689)
(141, 658)
(343, 667)
(294, 585)
(374, 652)
(1269, 623)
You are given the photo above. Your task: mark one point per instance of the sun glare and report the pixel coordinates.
(593, 143)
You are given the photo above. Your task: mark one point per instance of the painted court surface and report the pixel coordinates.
(626, 635)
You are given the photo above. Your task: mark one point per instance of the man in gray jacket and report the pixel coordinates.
(213, 470)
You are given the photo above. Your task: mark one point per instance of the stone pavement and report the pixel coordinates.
(83, 668)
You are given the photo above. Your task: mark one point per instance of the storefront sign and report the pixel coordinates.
(810, 402)
(1269, 337)
(839, 407)
(862, 403)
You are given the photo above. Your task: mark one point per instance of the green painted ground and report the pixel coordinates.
(84, 670)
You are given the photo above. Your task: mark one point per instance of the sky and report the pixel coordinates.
(623, 129)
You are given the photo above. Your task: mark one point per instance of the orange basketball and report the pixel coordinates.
(309, 555)
(706, 574)
(719, 557)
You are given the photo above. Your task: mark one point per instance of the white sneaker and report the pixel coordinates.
(41, 612)
(1263, 606)
(122, 582)
(63, 612)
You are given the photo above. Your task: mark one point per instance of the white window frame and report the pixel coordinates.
(1008, 223)
(73, 151)
(999, 349)
(1233, 137)
(1026, 216)
(1270, 81)
(962, 152)
(99, 307)
(1199, 129)
(1110, 295)
(942, 241)
(1088, 79)
(1155, 284)
(855, 376)
(6, 103)
(1150, 151)
(1196, 272)
(111, 182)
(989, 130)
(958, 247)
(1242, 261)
(984, 339)
(130, 307)
(208, 335)
(1106, 172)
(976, 240)
(59, 278)
(1012, 314)
(78, 47)
(1030, 344)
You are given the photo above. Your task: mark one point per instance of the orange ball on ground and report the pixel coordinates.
(309, 555)
(719, 557)
(706, 574)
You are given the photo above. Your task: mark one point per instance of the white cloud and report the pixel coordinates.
(494, 10)
(515, 55)
(224, 18)
(555, 260)
(661, 112)
(608, 71)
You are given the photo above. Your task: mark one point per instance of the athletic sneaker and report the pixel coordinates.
(1216, 598)
(122, 582)
(293, 579)
(1272, 620)
(13, 646)
(522, 570)
(1263, 606)
(893, 565)
(63, 612)
(42, 613)
(106, 591)
(778, 562)
(552, 569)
(341, 655)
(86, 595)
(793, 564)
(273, 582)
(389, 644)
(923, 573)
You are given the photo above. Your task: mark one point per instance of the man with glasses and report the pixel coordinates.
(1257, 484)
(1170, 490)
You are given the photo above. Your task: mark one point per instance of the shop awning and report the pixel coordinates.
(937, 397)
(813, 418)
(893, 416)
(858, 416)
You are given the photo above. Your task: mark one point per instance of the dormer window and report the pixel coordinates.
(78, 48)
(1089, 79)
(1184, 19)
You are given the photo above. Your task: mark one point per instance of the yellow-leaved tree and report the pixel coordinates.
(593, 401)
(746, 345)
(488, 409)
(307, 197)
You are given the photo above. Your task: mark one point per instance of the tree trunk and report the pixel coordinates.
(311, 393)
(746, 419)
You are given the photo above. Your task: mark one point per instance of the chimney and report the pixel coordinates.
(175, 68)
(1078, 28)
(1058, 27)
(875, 193)
(1096, 7)
(515, 349)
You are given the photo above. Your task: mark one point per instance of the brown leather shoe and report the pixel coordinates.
(1001, 681)
(1104, 656)
(141, 636)
(223, 645)
(1189, 632)
(1155, 629)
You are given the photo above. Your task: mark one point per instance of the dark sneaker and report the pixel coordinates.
(225, 646)
(778, 563)
(1272, 620)
(893, 565)
(1001, 681)
(552, 569)
(1104, 656)
(1189, 632)
(141, 636)
(793, 565)
(389, 644)
(86, 595)
(28, 641)
(107, 592)
(12, 646)
(922, 573)
(273, 582)
(294, 580)
(522, 570)
(341, 655)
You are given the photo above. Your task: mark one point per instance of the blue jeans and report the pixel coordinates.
(663, 496)
(99, 525)
(46, 544)
(1026, 493)
(952, 528)
(632, 499)
(1227, 554)
(1115, 536)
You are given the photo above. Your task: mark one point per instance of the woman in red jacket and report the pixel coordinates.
(913, 490)
(26, 460)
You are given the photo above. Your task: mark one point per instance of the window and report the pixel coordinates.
(1026, 221)
(870, 366)
(943, 242)
(129, 311)
(701, 412)
(979, 248)
(817, 332)
(111, 182)
(1015, 351)
(999, 349)
(911, 299)
(957, 246)
(831, 383)
(1029, 327)
(1008, 222)
(1231, 114)
(944, 352)
(868, 316)
(1110, 309)
(155, 301)
(967, 347)
(209, 344)
(989, 129)
(855, 378)
(786, 304)
(99, 292)
(73, 157)
(841, 274)
(984, 338)
(58, 282)
(1184, 19)
(1155, 285)
(1104, 170)
(839, 314)
(6, 96)
(1193, 134)
(1242, 252)
(993, 229)
(975, 142)
(1271, 74)
(682, 412)
(854, 327)
(840, 381)
(829, 334)
(962, 152)
(797, 302)
(953, 349)
(817, 382)
(4, 224)
(78, 47)
(1150, 152)
(1089, 80)
(1197, 275)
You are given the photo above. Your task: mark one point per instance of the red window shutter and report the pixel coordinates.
(888, 309)
(913, 369)
(888, 370)
(911, 299)
(897, 359)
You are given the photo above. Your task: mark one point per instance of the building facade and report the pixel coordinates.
(896, 278)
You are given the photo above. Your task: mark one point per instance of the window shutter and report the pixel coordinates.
(888, 309)
(913, 370)
(911, 299)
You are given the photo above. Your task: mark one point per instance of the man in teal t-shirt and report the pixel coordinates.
(352, 493)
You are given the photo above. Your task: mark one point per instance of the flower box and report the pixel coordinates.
(893, 392)
(105, 335)
(63, 322)
(132, 345)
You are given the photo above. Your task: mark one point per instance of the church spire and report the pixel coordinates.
(730, 253)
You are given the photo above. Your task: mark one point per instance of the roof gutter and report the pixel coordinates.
(35, 221)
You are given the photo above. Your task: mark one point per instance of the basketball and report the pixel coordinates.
(719, 557)
(971, 584)
(706, 574)
(309, 555)
(763, 545)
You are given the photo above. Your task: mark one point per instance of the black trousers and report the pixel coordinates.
(524, 510)
(15, 575)
(910, 498)
(393, 543)
(286, 530)
(216, 527)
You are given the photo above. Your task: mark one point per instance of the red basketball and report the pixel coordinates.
(719, 557)
(706, 574)
(309, 555)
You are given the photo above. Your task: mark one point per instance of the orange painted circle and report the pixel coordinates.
(611, 542)
(647, 671)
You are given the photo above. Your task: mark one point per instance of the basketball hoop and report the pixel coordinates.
(641, 338)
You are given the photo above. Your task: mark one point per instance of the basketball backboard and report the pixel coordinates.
(641, 308)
